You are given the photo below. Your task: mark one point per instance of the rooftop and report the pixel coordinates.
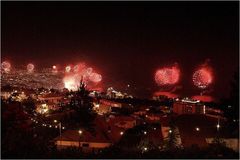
(86, 136)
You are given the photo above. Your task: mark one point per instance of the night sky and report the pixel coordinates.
(126, 42)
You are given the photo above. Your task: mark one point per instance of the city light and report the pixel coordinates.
(121, 133)
(80, 132)
(197, 129)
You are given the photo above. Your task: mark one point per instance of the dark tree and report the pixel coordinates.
(231, 104)
(170, 143)
(82, 103)
(29, 105)
(81, 98)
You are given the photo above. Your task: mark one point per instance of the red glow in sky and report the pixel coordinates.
(203, 98)
(167, 76)
(168, 94)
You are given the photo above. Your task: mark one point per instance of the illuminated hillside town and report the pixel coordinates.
(70, 108)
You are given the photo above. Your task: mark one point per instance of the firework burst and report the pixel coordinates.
(167, 76)
(202, 77)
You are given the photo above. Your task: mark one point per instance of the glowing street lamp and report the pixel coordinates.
(197, 129)
(121, 133)
(80, 132)
(218, 126)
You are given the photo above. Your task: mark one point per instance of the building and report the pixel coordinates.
(101, 109)
(153, 117)
(124, 122)
(188, 106)
(115, 126)
(54, 98)
(110, 103)
(83, 139)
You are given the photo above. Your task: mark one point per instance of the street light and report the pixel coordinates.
(197, 129)
(218, 126)
(80, 134)
(170, 131)
(121, 133)
(60, 130)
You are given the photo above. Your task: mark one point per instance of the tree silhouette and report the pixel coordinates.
(146, 145)
(81, 98)
(170, 143)
(81, 102)
(231, 104)
(29, 105)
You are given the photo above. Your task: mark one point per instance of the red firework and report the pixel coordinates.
(30, 67)
(203, 77)
(68, 68)
(72, 79)
(6, 66)
(167, 76)
(95, 77)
